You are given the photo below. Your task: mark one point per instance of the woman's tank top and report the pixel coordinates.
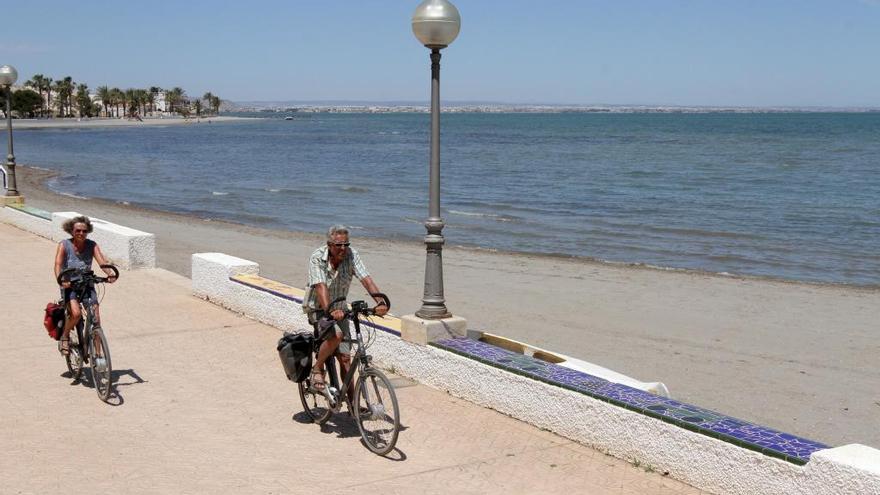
(82, 260)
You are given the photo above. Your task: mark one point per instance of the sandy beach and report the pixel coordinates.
(110, 122)
(801, 358)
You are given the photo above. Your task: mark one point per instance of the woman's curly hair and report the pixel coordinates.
(68, 225)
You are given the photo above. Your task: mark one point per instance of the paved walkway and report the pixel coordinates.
(203, 407)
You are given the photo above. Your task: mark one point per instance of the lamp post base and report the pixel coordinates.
(11, 200)
(420, 331)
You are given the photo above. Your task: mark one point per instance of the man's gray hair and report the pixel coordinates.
(336, 229)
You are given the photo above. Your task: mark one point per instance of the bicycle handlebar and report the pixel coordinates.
(361, 307)
(86, 276)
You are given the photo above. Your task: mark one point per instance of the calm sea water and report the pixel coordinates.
(793, 196)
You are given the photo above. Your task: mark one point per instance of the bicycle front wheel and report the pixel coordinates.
(378, 417)
(102, 370)
(74, 358)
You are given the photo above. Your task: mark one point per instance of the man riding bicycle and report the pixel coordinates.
(331, 268)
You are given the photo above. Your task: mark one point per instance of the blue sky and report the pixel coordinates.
(661, 52)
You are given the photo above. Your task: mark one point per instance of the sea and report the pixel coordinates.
(785, 195)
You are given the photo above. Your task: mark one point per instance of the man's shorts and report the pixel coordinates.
(344, 327)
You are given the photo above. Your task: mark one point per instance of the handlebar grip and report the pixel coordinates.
(384, 299)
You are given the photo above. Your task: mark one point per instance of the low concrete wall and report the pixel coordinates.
(702, 461)
(30, 219)
(127, 248)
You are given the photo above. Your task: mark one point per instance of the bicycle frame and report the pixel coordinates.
(360, 361)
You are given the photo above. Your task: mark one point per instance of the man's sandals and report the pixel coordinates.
(317, 379)
(65, 347)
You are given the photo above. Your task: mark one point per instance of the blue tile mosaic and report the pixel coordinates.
(748, 435)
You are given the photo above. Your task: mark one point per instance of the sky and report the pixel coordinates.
(616, 52)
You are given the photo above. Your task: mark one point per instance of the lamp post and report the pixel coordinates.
(436, 24)
(8, 76)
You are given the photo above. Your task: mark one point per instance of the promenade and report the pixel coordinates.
(202, 406)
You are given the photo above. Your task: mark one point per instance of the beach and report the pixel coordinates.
(112, 122)
(798, 357)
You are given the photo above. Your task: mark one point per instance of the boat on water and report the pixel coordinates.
(288, 118)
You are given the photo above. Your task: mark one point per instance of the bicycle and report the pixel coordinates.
(82, 344)
(377, 416)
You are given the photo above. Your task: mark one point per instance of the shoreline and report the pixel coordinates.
(772, 352)
(29, 124)
(45, 174)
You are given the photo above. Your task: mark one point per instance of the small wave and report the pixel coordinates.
(356, 189)
(219, 193)
(71, 195)
(272, 190)
(493, 216)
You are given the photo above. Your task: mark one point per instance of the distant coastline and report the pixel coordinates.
(467, 107)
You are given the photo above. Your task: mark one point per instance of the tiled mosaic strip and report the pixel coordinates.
(751, 436)
(285, 291)
(45, 215)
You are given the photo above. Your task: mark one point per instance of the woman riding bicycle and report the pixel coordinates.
(331, 268)
(77, 252)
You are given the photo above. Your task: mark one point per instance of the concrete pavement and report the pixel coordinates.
(203, 407)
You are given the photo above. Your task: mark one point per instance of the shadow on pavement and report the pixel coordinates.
(115, 399)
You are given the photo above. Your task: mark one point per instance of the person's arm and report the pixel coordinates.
(59, 263)
(323, 300)
(372, 288)
(99, 257)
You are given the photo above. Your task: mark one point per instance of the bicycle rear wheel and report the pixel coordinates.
(74, 358)
(102, 372)
(314, 402)
(378, 417)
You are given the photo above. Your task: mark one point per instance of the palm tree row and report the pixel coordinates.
(115, 102)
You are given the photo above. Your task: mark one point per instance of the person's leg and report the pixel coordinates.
(97, 323)
(73, 315)
(328, 347)
(343, 355)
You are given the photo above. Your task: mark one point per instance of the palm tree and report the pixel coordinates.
(116, 97)
(47, 85)
(64, 88)
(39, 83)
(208, 97)
(215, 104)
(151, 97)
(104, 95)
(83, 102)
(175, 96)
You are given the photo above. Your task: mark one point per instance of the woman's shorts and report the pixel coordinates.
(67, 295)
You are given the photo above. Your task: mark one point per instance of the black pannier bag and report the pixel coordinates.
(295, 351)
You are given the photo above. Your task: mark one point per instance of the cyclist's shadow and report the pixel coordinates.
(116, 379)
(344, 426)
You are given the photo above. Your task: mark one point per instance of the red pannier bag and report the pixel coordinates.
(54, 320)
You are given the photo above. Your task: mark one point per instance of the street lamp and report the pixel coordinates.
(436, 24)
(8, 76)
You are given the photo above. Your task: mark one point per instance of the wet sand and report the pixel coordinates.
(802, 358)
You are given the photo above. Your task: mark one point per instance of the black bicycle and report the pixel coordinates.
(88, 342)
(377, 416)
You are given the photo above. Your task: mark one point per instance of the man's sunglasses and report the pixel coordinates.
(341, 244)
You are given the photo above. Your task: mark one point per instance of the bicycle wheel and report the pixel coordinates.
(102, 372)
(378, 417)
(74, 359)
(314, 403)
